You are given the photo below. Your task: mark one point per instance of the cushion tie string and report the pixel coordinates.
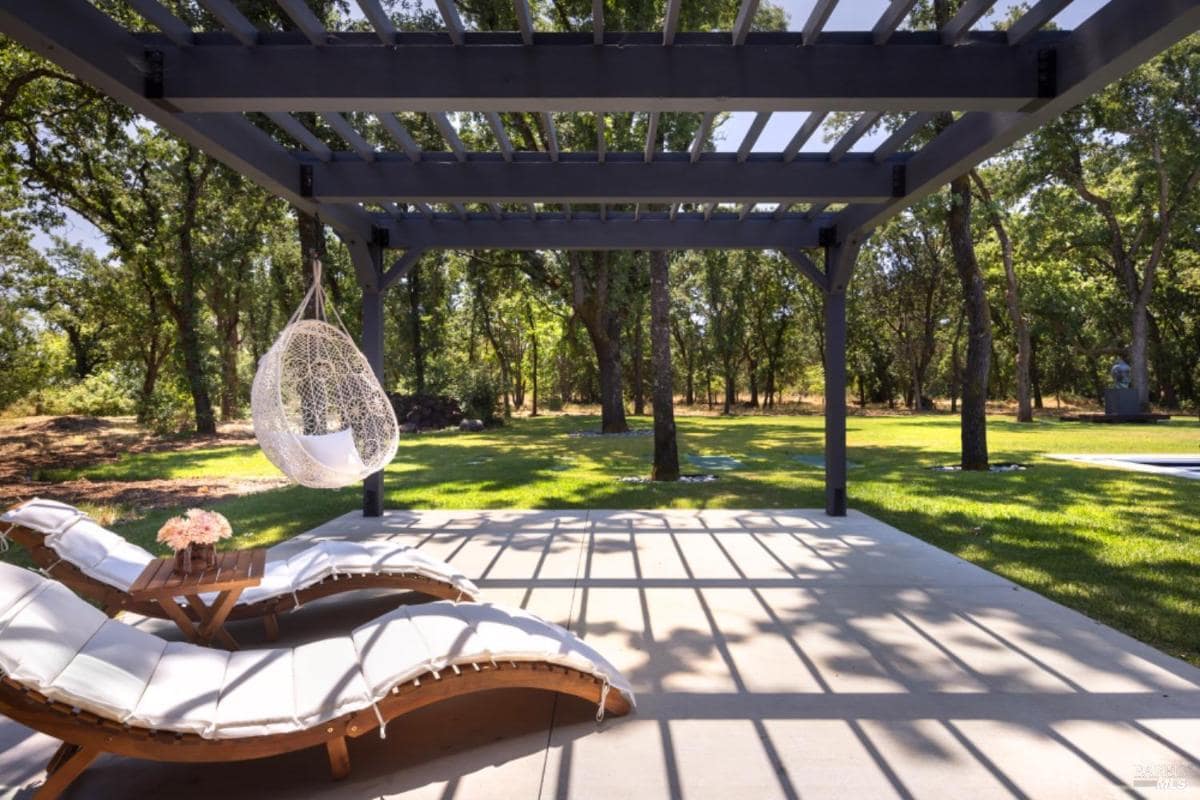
(4, 537)
(47, 570)
(603, 699)
(379, 716)
(296, 600)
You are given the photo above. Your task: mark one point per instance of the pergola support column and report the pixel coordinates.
(838, 258)
(372, 347)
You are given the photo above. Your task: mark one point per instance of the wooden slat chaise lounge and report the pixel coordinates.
(101, 566)
(102, 686)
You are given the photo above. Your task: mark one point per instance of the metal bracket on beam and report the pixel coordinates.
(1047, 73)
(381, 237)
(827, 237)
(153, 89)
(306, 180)
(899, 180)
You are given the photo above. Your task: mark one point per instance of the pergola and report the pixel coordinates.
(215, 88)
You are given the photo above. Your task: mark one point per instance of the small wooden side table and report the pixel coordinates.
(234, 572)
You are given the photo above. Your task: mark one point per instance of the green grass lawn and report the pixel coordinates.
(1122, 547)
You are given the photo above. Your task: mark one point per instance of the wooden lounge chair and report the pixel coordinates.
(101, 566)
(102, 686)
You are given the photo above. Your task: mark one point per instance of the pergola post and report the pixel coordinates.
(835, 403)
(372, 346)
(839, 262)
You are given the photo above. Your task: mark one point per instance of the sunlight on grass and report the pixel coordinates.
(1120, 546)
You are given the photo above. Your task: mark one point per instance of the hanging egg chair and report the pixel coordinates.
(320, 414)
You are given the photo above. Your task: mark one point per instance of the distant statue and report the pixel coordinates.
(1120, 374)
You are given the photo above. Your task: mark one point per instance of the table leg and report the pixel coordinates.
(179, 617)
(212, 618)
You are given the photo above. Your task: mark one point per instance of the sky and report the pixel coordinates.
(848, 15)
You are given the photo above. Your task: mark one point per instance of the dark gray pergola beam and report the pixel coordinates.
(400, 268)
(158, 16)
(448, 132)
(670, 22)
(651, 136)
(295, 128)
(856, 178)
(1110, 43)
(890, 20)
(342, 127)
(454, 25)
(702, 132)
(817, 19)
(653, 231)
(233, 20)
(551, 135)
(524, 20)
(395, 128)
(960, 24)
(859, 129)
(752, 133)
(299, 12)
(807, 268)
(89, 44)
(901, 135)
(807, 129)
(989, 75)
(1034, 19)
(744, 21)
(379, 20)
(597, 22)
(502, 141)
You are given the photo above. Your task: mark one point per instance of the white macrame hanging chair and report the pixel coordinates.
(320, 414)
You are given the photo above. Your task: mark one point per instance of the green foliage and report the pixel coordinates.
(100, 394)
(478, 394)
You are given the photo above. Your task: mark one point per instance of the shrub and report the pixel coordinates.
(102, 394)
(427, 411)
(478, 391)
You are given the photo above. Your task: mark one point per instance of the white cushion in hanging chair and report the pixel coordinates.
(320, 414)
(336, 451)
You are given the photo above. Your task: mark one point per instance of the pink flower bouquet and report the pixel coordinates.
(196, 526)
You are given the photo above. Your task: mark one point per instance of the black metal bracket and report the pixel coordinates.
(306, 180)
(1047, 73)
(899, 180)
(381, 237)
(827, 237)
(153, 87)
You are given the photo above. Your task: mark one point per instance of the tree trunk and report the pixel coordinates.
(730, 379)
(1012, 298)
(979, 329)
(1035, 376)
(979, 321)
(229, 371)
(414, 322)
(639, 384)
(666, 453)
(1138, 350)
(603, 324)
(533, 342)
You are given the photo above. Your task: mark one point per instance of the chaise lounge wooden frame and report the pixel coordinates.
(86, 736)
(113, 600)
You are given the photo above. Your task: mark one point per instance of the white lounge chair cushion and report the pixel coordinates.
(101, 554)
(96, 551)
(54, 642)
(258, 696)
(46, 633)
(110, 673)
(329, 682)
(182, 694)
(334, 451)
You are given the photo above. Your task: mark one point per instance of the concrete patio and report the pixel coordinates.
(775, 654)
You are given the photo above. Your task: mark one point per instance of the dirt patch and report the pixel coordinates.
(31, 446)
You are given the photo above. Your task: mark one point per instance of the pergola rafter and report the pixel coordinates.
(241, 93)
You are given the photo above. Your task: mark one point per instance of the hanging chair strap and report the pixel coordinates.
(316, 297)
